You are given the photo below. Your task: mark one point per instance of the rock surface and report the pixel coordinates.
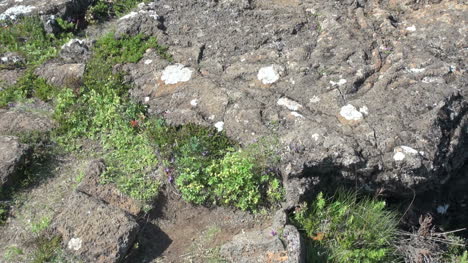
(17, 120)
(361, 91)
(95, 231)
(91, 185)
(13, 155)
(62, 75)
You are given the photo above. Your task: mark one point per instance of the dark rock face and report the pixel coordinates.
(13, 155)
(95, 231)
(368, 92)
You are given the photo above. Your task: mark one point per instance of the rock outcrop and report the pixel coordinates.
(359, 91)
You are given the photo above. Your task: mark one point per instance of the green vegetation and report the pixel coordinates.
(12, 253)
(48, 249)
(101, 110)
(347, 229)
(102, 10)
(28, 86)
(28, 38)
(207, 167)
(41, 225)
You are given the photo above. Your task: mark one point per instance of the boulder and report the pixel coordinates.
(76, 50)
(62, 75)
(19, 120)
(353, 92)
(92, 185)
(94, 231)
(13, 156)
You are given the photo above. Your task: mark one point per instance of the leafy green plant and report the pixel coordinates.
(347, 229)
(12, 253)
(29, 38)
(48, 249)
(28, 86)
(41, 225)
(101, 110)
(102, 10)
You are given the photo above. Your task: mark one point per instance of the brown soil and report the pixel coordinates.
(181, 232)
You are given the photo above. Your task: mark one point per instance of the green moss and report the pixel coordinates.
(347, 229)
(48, 249)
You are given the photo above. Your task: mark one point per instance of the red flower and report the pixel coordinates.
(134, 123)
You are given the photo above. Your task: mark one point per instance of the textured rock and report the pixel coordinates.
(108, 193)
(17, 120)
(76, 51)
(62, 75)
(344, 85)
(95, 231)
(13, 155)
(265, 246)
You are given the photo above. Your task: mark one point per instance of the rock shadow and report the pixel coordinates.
(150, 244)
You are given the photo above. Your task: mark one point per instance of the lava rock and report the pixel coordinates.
(13, 156)
(94, 231)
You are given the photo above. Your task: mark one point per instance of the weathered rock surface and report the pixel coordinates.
(62, 75)
(18, 120)
(76, 50)
(95, 231)
(13, 155)
(363, 91)
(108, 193)
(279, 243)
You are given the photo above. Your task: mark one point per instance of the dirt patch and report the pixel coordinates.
(181, 232)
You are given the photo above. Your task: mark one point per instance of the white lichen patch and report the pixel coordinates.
(290, 104)
(315, 136)
(314, 99)
(269, 75)
(297, 114)
(411, 28)
(74, 244)
(148, 61)
(400, 152)
(219, 126)
(364, 110)
(338, 83)
(416, 70)
(350, 113)
(147, 99)
(129, 15)
(174, 74)
(194, 102)
(71, 42)
(14, 12)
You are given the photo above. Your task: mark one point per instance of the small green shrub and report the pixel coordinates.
(12, 253)
(102, 10)
(28, 86)
(29, 38)
(345, 229)
(48, 249)
(101, 110)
